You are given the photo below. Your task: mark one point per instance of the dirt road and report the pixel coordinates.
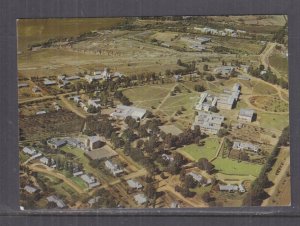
(69, 106)
(47, 170)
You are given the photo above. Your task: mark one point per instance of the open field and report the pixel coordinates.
(229, 166)
(279, 62)
(58, 123)
(31, 31)
(269, 103)
(194, 152)
(273, 121)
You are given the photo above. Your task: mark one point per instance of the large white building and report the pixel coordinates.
(123, 111)
(246, 115)
(208, 122)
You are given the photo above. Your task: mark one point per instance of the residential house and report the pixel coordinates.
(21, 85)
(29, 150)
(48, 82)
(56, 143)
(114, 168)
(134, 184)
(94, 142)
(59, 203)
(140, 199)
(90, 180)
(30, 189)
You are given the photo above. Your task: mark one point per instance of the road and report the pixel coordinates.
(69, 106)
(47, 170)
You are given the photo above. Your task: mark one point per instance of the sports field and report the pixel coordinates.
(229, 166)
(195, 152)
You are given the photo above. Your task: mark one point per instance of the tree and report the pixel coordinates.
(205, 67)
(204, 164)
(199, 88)
(222, 132)
(206, 197)
(189, 181)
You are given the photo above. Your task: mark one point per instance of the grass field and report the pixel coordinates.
(229, 166)
(147, 96)
(262, 88)
(32, 31)
(194, 152)
(279, 62)
(273, 121)
(270, 103)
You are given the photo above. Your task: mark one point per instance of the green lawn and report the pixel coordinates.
(147, 96)
(229, 166)
(273, 121)
(79, 182)
(82, 159)
(194, 152)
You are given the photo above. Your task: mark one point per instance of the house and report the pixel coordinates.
(245, 68)
(239, 145)
(196, 176)
(94, 142)
(123, 111)
(48, 82)
(77, 99)
(244, 77)
(90, 180)
(36, 89)
(246, 115)
(208, 122)
(203, 40)
(30, 189)
(134, 184)
(228, 188)
(59, 203)
(224, 70)
(175, 205)
(29, 150)
(21, 85)
(70, 78)
(241, 188)
(56, 143)
(94, 200)
(167, 157)
(44, 160)
(177, 78)
(114, 168)
(40, 112)
(94, 102)
(78, 173)
(140, 199)
(229, 31)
